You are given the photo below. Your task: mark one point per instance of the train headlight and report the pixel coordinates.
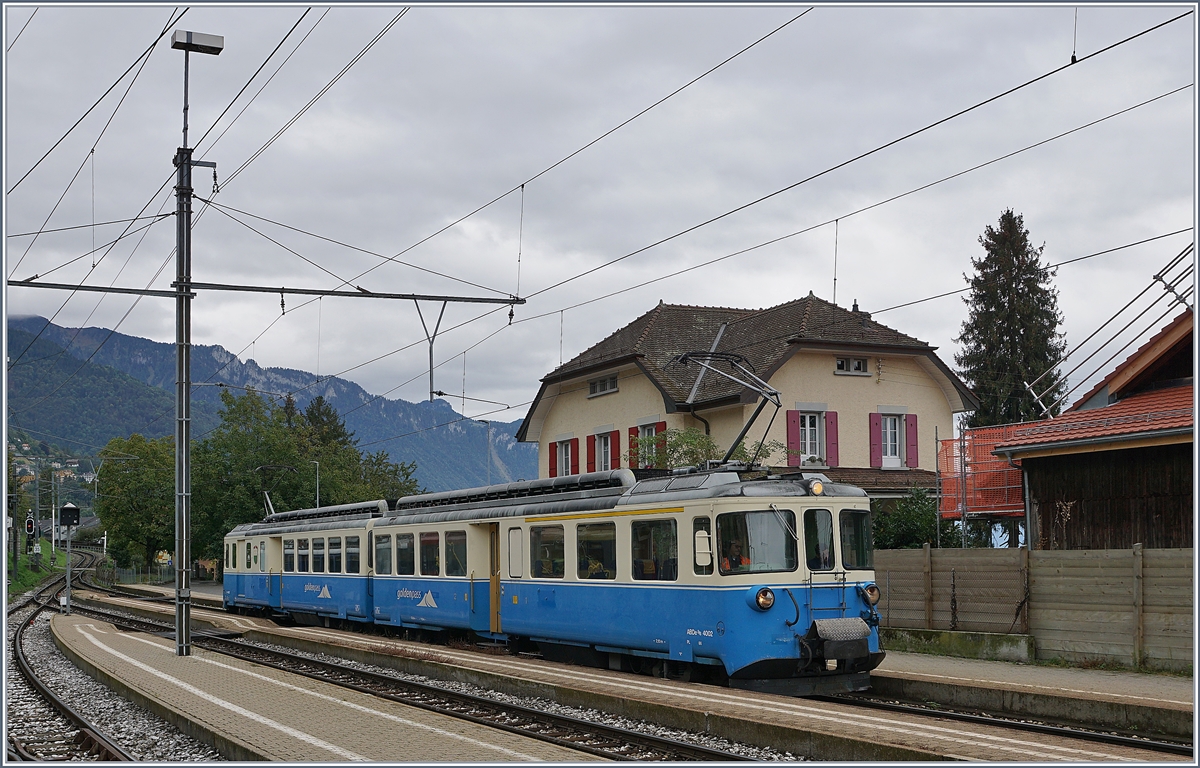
(871, 593)
(764, 598)
(816, 487)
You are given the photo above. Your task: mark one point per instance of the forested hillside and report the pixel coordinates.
(130, 381)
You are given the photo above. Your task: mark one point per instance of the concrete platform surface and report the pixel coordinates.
(1167, 691)
(252, 712)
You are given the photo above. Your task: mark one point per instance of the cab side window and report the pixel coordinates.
(456, 553)
(655, 550)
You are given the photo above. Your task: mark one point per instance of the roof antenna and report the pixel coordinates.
(1075, 35)
(835, 239)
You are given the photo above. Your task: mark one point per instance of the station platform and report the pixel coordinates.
(1125, 700)
(250, 712)
(813, 729)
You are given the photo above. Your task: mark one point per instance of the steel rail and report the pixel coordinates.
(569, 732)
(88, 738)
(1004, 721)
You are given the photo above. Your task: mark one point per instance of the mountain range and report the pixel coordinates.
(80, 387)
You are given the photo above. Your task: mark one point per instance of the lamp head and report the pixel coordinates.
(197, 42)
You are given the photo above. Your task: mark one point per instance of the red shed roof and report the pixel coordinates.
(1153, 411)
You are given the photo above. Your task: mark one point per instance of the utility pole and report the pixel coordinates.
(212, 44)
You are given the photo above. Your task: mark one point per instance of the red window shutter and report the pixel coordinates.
(574, 455)
(831, 438)
(553, 448)
(876, 422)
(793, 438)
(614, 449)
(660, 427)
(591, 448)
(633, 447)
(660, 445)
(910, 440)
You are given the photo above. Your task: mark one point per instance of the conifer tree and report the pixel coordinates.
(1011, 333)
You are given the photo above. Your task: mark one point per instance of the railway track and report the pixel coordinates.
(1073, 732)
(41, 725)
(602, 740)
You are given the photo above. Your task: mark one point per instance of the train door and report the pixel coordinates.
(239, 548)
(274, 566)
(494, 577)
(827, 574)
(483, 571)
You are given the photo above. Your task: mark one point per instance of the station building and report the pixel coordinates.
(863, 403)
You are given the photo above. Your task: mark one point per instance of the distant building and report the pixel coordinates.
(861, 402)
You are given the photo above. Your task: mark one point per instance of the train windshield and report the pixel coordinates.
(757, 542)
(857, 550)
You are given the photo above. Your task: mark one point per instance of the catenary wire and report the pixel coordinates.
(168, 179)
(856, 158)
(316, 98)
(602, 136)
(92, 154)
(18, 37)
(143, 55)
(263, 87)
(226, 208)
(87, 226)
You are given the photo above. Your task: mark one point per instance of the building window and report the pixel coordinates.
(852, 365)
(602, 386)
(891, 441)
(810, 436)
(647, 445)
(564, 457)
(604, 452)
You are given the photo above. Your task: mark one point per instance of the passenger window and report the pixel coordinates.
(248, 548)
(351, 554)
(289, 555)
(702, 546)
(302, 555)
(406, 555)
(318, 555)
(655, 552)
(596, 546)
(262, 556)
(547, 552)
(431, 558)
(515, 558)
(756, 542)
(335, 554)
(818, 539)
(857, 549)
(383, 555)
(456, 553)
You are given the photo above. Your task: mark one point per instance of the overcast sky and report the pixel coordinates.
(456, 106)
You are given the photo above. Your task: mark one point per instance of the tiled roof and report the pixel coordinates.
(1151, 411)
(1183, 318)
(761, 336)
(874, 481)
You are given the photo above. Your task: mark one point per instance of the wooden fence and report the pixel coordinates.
(1131, 606)
(1128, 605)
(971, 590)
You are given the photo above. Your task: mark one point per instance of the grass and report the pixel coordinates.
(27, 578)
(1112, 666)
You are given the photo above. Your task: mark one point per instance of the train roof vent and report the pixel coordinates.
(375, 508)
(512, 492)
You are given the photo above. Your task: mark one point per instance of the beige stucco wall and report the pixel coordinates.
(807, 377)
(574, 414)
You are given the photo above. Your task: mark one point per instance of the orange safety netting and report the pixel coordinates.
(983, 483)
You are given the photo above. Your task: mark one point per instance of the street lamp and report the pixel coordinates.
(187, 42)
(314, 461)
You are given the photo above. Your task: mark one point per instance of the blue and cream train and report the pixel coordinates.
(596, 568)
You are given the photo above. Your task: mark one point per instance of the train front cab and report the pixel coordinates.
(652, 590)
